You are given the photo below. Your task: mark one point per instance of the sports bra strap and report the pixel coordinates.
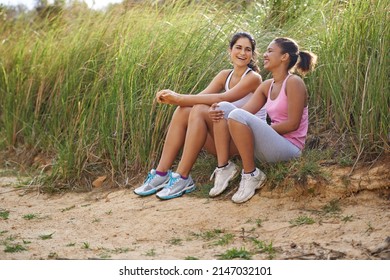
(229, 77)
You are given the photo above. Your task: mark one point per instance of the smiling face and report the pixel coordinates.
(241, 53)
(273, 56)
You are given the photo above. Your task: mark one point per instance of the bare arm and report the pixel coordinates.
(258, 100)
(246, 85)
(254, 104)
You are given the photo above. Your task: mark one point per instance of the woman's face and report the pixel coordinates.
(241, 53)
(272, 56)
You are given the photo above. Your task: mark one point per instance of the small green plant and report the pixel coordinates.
(52, 256)
(211, 234)
(175, 241)
(30, 216)
(191, 258)
(347, 218)
(105, 256)
(14, 248)
(302, 220)
(120, 250)
(96, 220)
(4, 214)
(235, 254)
(151, 253)
(2, 232)
(345, 161)
(68, 208)
(46, 236)
(370, 228)
(306, 168)
(259, 222)
(85, 245)
(332, 207)
(265, 248)
(276, 173)
(225, 239)
(70, 244)
(11, 237)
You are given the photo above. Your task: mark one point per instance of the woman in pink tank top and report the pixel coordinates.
(285, 100)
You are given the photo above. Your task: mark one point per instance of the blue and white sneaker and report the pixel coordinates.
(176, 187)
(152, 183)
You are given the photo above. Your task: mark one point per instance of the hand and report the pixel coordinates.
(215, 114)
(167, 96)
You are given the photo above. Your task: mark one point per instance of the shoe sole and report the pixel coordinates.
(231, 178)
(150, 192)
(258, 187)
(189, 189)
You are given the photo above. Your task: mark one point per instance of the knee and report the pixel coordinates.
(182, 111)
(237, 114)
(200, 108)
(199, 111)
(181, 114)
(226, 107)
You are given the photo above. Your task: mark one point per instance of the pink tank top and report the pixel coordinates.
(278, 112)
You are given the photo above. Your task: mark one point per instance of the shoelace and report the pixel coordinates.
(216, 170)
(241, 188)
(149, 178)
(171, 182)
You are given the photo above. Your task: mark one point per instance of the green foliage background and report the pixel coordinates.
(79, 84)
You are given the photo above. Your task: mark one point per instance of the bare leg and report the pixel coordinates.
(199, 124)
(222, 141)
(243, 138)
(174, 140)
(210, 146)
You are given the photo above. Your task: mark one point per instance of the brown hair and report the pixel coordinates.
(307, 60)
(253, 63)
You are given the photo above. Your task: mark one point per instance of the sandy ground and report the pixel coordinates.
(318, 221)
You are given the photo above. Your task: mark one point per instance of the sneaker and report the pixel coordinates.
(152, 183)
(176, 187)
(222, 177)
(248, 185)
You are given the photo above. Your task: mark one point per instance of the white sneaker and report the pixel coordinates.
(222, 177)
(248, 185)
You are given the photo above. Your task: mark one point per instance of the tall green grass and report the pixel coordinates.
(351, 81)
(83, 88)
(80, 85)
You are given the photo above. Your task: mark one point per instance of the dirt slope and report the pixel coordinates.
(316, 222)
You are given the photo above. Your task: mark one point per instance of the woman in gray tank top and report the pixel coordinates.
(191, 128)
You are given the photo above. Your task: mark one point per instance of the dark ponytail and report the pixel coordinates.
(306, 63)
(253, 63)
(302, 61)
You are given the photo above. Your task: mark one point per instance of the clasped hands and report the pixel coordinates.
(168, 96)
